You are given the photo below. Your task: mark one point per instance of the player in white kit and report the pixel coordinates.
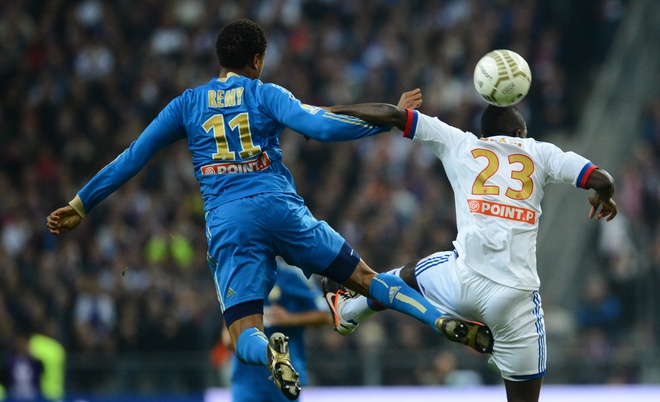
(491, 276)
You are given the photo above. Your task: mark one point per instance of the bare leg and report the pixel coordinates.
(523, 391)
(408, 275)
(361, 278)
(252, 347)
(240, 325)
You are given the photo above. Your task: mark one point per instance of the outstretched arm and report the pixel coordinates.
(162, 131)
(381, 113)
(279, 316)
(375, 113)
(603, 183)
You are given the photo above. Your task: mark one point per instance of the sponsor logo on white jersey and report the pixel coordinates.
(504, 211)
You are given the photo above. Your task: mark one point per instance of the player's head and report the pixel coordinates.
(503, 121)
(241, 44)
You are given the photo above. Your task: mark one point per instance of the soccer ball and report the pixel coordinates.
(502, 78)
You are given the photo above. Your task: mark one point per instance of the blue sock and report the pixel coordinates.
(392, 292)
(374, 305)
(251, 347)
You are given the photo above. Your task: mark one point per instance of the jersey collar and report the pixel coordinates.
(228, 76)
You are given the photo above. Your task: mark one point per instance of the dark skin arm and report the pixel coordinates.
(383, 114)
(376, 113)
(603, 184)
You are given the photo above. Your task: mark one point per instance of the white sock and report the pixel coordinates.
(357, 310)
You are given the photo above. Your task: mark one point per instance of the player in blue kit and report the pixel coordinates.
(293, 304)
(232, 126)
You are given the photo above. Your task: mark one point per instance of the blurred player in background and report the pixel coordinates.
(491, 276)
(21, 372)
(232, 127)
(293, 304)
(52, 355)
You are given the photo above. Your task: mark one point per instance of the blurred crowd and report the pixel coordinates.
(79, 80)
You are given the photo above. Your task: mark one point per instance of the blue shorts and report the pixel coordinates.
(246, 234)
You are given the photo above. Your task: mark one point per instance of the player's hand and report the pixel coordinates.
(225, 337)
(277, 315)
(62, 220)
(607, 207)
(411, 99)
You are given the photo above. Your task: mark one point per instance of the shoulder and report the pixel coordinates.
(202, 88)
(270, 89)
(178, 106)
(187, 95)
(543, 147)
(433, 128)
(437, 124)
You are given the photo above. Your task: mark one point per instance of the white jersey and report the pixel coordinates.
(498, 187)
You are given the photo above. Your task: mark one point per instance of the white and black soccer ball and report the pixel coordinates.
(502, 78)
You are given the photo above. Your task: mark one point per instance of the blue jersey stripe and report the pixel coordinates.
(540, 331)
(348, 119)
(528, 377)
(427, 263)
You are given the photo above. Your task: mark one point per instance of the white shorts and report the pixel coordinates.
(515, 316)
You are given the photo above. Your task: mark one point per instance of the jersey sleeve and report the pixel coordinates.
(312, 121)
(566, 167)
(166, 128)
(432, 132)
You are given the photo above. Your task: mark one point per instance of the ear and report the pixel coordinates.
(256, 61)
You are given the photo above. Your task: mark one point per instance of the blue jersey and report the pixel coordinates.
(295, 294)
(232, 127)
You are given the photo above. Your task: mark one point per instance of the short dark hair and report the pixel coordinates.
(238, 42)
(501, 121)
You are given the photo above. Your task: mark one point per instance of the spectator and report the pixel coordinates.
(446, 371)
(21, 371)
(51, 353)
(67, 68)
(600, 309)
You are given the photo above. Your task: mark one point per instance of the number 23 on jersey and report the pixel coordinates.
(521, 173)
